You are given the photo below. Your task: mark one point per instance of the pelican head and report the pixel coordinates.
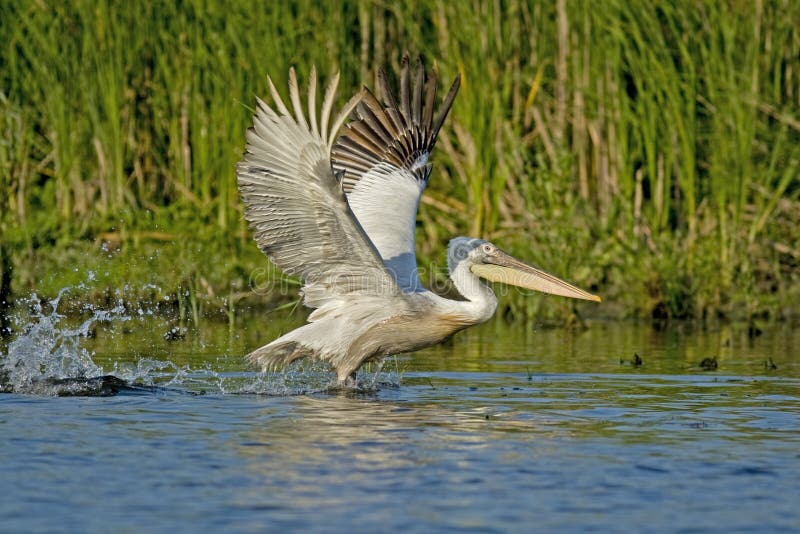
(486, 260)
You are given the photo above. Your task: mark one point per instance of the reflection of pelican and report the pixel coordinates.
(339, 213)
(319, 430)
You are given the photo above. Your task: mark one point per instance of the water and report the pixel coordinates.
(507, 428)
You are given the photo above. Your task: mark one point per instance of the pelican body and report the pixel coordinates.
(338, 210)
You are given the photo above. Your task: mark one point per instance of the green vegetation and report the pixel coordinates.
(647, 152)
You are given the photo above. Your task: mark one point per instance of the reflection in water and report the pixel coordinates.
(322, 425)
(318, 429)
(361, 442)
(441, 447)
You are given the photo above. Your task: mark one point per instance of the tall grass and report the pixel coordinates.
(649, 150)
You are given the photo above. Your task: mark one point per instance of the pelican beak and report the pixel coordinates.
(509, 270)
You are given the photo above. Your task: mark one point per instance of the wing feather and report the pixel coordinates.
(312, 100)
(327, 104)
(276, 97)
(384, 155)
(296, 206)
(294, 96)
(405, 89)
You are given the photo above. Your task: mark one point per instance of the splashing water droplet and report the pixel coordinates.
(47, 358)
(46, 350)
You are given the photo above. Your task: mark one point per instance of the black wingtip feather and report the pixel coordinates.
(405, 90)
(385, 89)
(416, 103)
(444, 108)
(396, 132)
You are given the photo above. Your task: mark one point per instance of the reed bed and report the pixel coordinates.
(648, 150)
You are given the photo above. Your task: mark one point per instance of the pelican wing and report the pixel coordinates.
(295, 203)
(384, 156)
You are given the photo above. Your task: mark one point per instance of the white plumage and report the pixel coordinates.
(339, 213)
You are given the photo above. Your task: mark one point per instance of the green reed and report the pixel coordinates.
(648, 150)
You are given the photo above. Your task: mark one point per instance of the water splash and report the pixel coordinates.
(300, 378)
(47, 357)
(167, 375)
(305, 377)
(46, 352)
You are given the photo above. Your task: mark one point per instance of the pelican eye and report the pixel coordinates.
(488, 248)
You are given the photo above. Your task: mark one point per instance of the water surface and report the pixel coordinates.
(506, 428)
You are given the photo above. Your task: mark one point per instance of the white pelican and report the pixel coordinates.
(339, 213)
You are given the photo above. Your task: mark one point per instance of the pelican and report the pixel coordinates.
(338, 211)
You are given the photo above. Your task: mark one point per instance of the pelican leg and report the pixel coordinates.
(350, 381)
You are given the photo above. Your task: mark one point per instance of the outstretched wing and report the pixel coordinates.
(295, 204)
(384, 157)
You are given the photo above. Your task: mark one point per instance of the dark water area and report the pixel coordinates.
(506, 428)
